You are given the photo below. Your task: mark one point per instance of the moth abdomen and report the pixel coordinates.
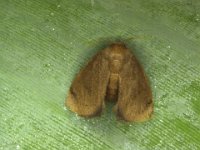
(112, 87)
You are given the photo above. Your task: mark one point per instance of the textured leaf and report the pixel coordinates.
(43, 44)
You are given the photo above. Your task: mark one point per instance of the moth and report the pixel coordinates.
(113, 74)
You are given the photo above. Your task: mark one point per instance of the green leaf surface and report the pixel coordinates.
(44, 43)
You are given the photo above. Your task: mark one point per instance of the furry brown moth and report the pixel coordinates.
(114, 74)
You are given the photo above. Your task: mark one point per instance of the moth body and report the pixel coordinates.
(112, 88)
(113, 74)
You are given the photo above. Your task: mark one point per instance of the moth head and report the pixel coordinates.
(116, 54)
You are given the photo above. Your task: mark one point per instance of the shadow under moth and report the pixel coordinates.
(113, 74)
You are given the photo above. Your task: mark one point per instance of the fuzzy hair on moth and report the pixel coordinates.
(113, 74)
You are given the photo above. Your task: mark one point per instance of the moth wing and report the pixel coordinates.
(134, 97)
(88, 90)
